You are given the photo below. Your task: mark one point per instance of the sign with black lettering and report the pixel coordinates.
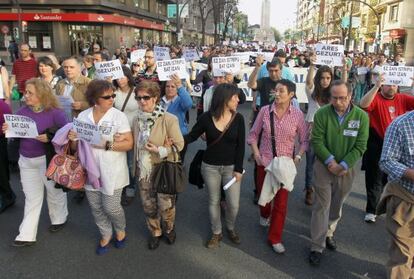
(137, 55)
(109, 69)
(161, 53)
(20, 126)
(87, 131)
(398, 75)
(330, 55)
(166, 68)
(226, 65)
(191, 54)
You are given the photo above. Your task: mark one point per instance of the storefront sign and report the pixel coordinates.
(137, 55)
(166, 68)
(398, 75)
(109, 69)
(330, 55)
(191, 54)
(87, 132)
(226, 65)
(162, 53)
(20, 126)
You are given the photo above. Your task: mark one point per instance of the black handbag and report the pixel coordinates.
(195, 177)
(169, 177)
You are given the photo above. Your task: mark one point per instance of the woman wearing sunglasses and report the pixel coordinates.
(110, 155)
(153, 128)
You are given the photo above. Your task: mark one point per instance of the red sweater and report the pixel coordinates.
(24, 70)
(383, 111)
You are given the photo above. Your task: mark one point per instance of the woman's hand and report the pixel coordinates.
(151, 147)
(258, 159)
(76, 105)
(4, 127)
(312, 59)
(168, 142)
(297, 159)
(176, 80)
(72, 135)
(238, 176)
(119, 137)
(42, 138)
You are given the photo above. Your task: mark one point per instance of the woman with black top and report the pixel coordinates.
(223, 158)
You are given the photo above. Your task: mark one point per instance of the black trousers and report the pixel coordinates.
(375, 179)
(6, 193)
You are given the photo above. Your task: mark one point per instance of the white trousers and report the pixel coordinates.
(33, 179)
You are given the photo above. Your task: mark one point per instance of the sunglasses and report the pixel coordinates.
(145, 98)
(108, 97)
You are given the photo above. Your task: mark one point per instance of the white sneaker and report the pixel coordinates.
(264, 222)
(279, 248)
(370, 218)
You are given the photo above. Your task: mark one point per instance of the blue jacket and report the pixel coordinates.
(180, 106)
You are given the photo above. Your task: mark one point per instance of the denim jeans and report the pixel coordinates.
(310, 160)
(215, 177)
(130, 189)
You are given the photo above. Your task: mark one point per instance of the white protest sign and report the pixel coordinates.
(87, 132)
(66, 103)
(197, 90)
(300, 80)
(245, 73)
(168, 67)
(281, 45)
(291, 63)
(191, 54)
(161, 53)
(267, 56)
(244, 56)
(330, 55)
(137, 55)
(109, 69)
(226, 65)
(362, 70)
(398, 75)
(20, 126)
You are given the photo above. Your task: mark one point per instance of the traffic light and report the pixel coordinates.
(24, 26)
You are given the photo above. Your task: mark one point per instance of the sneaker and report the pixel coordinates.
(214, 241)
(154, 242)
(19, 243)
(56, 228)
(264, 222)
(171, 236)
(370, 218)
(234, 237)
(279, 248)
(315, 258)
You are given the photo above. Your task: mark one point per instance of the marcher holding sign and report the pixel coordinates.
(398, 75)
(226, 65)
(110, 155)
(330, 55)
(42, 107)
(166, 68)
(108, 69)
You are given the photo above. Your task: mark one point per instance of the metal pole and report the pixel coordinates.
(177, 16)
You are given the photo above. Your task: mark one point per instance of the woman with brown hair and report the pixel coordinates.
(47, 70)
(152, 128)
(41, 106)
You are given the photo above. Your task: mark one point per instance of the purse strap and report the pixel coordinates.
(272, 131)
(224, 131)
(126, 100)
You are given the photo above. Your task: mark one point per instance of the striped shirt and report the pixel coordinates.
(24, 70)
(290, 125)
(398, 150)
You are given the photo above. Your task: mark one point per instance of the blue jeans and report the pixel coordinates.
(131, 188)
(310, 159)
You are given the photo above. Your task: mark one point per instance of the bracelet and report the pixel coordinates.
(299, 157)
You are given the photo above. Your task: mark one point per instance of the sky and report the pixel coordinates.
(282, 15)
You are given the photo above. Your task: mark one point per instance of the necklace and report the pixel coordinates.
(38, 108)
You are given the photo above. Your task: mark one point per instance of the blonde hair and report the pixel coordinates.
(44, 93)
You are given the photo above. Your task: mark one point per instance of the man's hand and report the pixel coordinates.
(259, 60)
(336, 168)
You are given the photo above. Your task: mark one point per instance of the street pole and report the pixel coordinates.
(348, 42)
(177, 16)
(19, 14)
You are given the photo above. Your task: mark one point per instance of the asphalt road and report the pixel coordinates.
(70, 253)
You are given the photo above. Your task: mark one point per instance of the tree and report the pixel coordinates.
(230, 11)
(205, 9)
(276, 34)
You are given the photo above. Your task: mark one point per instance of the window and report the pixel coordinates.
(394, 13)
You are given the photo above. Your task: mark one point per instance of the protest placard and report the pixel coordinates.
(226, 65)
(191, 54)
(109, 69)
(87, 131)
(66, 103)
(362, 70)
(244, 56)
(281, 45)
(267, 56)
(137, 55)
(398, 75)
(168, 67)
(300, 80)
(330, 55)
(161, 53)
(20, 126)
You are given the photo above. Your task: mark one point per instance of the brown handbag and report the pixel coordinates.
(169, 177)
(66, 170)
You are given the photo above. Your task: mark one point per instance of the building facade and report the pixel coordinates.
(68, 28)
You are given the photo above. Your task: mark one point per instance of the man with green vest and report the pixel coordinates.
(339, 138)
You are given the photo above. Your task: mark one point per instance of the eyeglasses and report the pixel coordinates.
(107, 97)
(342, 98)
(145, 98)
(148, 57)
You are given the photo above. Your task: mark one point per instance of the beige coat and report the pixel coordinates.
(164, 127)
(78, 92)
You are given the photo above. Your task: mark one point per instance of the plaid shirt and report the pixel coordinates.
(398, 150)
(287, 128)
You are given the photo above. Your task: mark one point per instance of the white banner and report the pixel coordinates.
(330, 55)
(137, 55)
(87, 132)
(398, 75)
(300, 80)
(20, 126)
(226, 65)
(109, 69)
(162, 53)
(191, 54)
(244, 56)
(168, 67)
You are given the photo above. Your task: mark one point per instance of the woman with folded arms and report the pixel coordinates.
(110, 155)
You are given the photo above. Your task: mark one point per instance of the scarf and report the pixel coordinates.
(146, 121)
